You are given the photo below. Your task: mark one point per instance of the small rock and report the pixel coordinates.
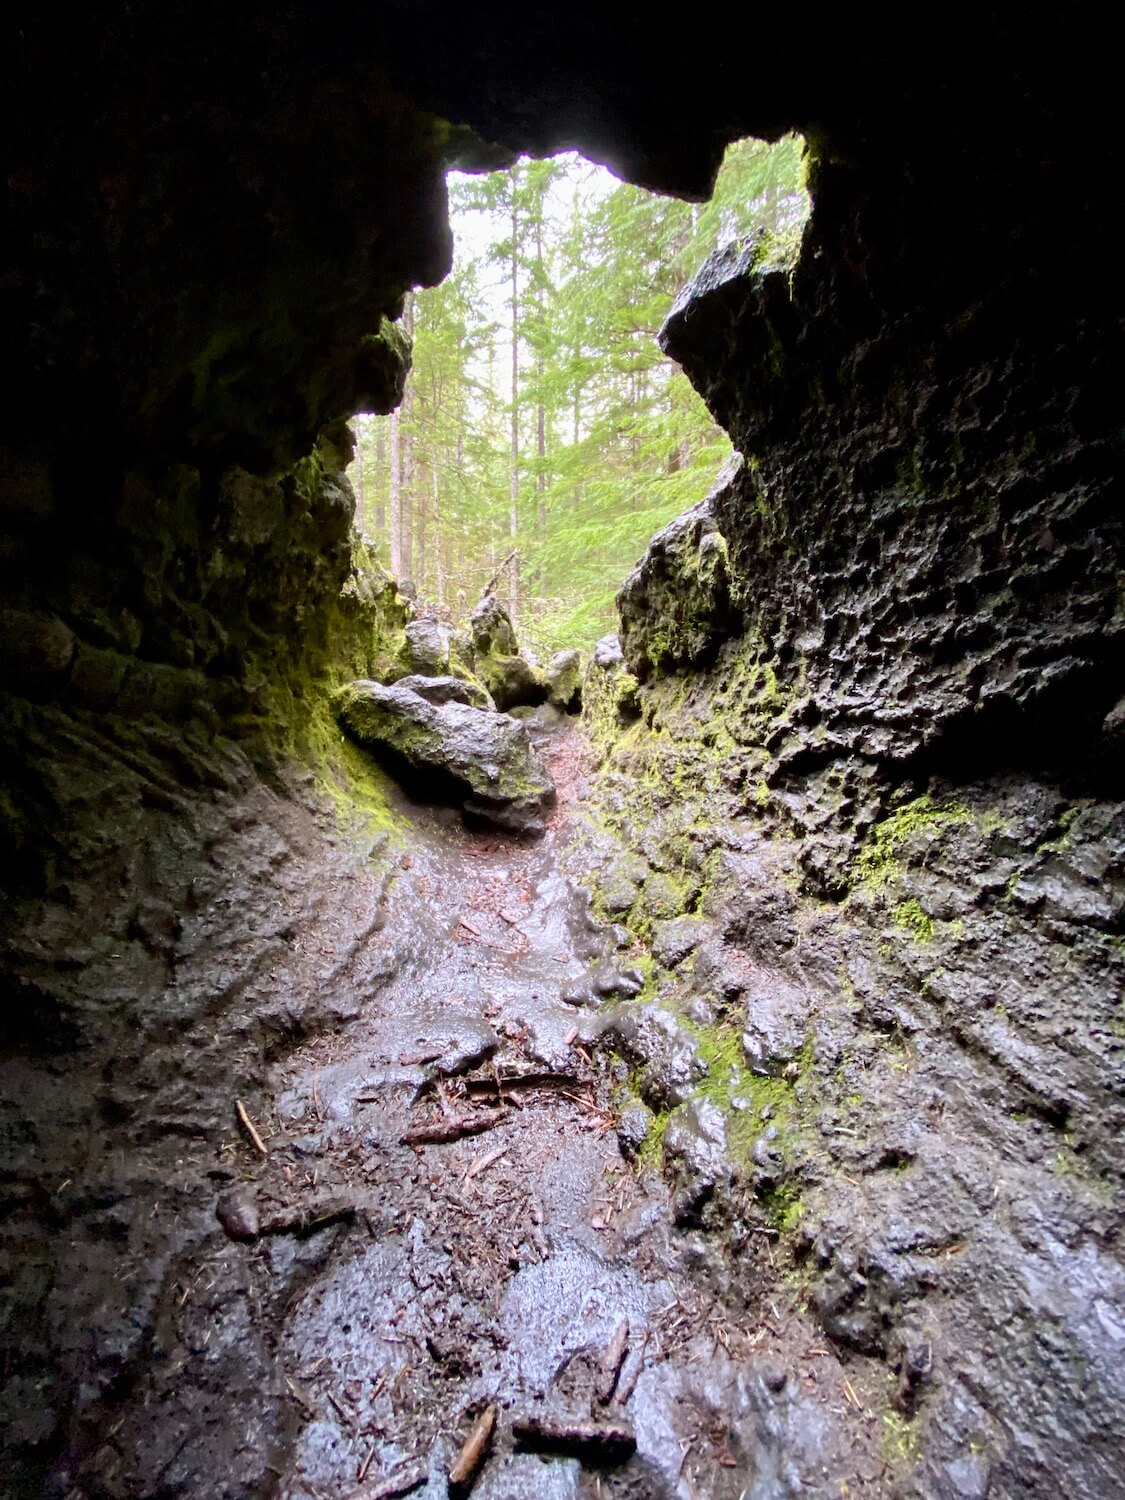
(427, 647)
(633, 1128)
(492, 629)
(237, 1212)
(447, 690)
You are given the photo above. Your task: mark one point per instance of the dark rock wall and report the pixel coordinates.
(874, 854)
(927, 537)
(209, 214)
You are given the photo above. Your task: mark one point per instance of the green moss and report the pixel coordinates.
(909, 915)
(877, 865)
(651, 1155)
(902, 1440)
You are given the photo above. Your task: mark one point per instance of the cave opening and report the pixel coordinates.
(542, 470)
(756, 1122)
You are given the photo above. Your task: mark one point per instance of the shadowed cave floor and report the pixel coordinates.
(348, 990)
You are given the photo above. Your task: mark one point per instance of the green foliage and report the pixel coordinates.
(611, 441)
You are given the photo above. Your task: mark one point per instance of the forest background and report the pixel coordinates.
(543, 437)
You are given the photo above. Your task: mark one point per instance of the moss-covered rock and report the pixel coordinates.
(452, 751)
(564, 681)
(676, 606)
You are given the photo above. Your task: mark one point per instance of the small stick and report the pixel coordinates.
(427, 1055)
(628, 1385)
(248, 1125)
(468, 926)
(401, 1482)
(298, 1218)
(486, 1161)
(473, 1453)
(451, 1129)
(601, 1442)
(609, 1367)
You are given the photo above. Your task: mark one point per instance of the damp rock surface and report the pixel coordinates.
(453, 748)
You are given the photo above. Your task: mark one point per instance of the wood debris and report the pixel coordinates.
(401, 1482)
(483, 1163)
(427, 1055)
(473, 1453)
(248, 1126)
(606, 1442)
(609, 1366)
(453, 1128)
(298, 1218)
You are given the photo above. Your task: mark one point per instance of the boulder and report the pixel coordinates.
(452, 751)
(447, 690)
(427, 648)
(564, 681)
(512, 681)
(676, 606)
(492, 628)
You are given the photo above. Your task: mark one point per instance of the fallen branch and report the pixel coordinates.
(473, 1453)
(609, 1366)
(401, 1482)
(596, 1442)
(452, 1129)
(299, 1218)
(248, 1126)
(509, 1082)
(495, 579)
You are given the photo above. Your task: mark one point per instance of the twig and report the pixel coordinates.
(484, 1162)
(609, 1367)
(473, 1453)
(248, 1125)
(495, 579)
(297, 1218)
(452, 1129)
(626, 1386)
(601, 1442)
(401, 1482)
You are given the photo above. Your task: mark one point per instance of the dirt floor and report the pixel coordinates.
(356, 1198)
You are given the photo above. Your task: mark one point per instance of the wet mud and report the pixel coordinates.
(355, 1179)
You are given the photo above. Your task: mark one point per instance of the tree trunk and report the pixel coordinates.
(439, 561)
(514, 470)
(396, 494)
(407, 505)
(360, 488)
(380, 464)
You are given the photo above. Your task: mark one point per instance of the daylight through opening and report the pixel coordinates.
(543, 436)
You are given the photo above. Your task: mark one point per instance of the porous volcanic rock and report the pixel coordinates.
(452, 750)
(564, 681)
(675, 606)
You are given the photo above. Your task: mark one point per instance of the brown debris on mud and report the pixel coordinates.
(330, 1318)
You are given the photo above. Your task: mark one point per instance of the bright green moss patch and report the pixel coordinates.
(909, 915)
(877, 865)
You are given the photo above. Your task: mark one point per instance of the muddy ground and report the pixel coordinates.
(191, 1312)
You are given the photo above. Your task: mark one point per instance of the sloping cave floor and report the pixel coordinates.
(348, 988)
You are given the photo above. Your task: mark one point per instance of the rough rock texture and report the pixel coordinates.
(492, 629)
(893, 804)
(482, 758)
(675, 606)
(427, 648)
(564, 681)
(210, 216)
(497, 662)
